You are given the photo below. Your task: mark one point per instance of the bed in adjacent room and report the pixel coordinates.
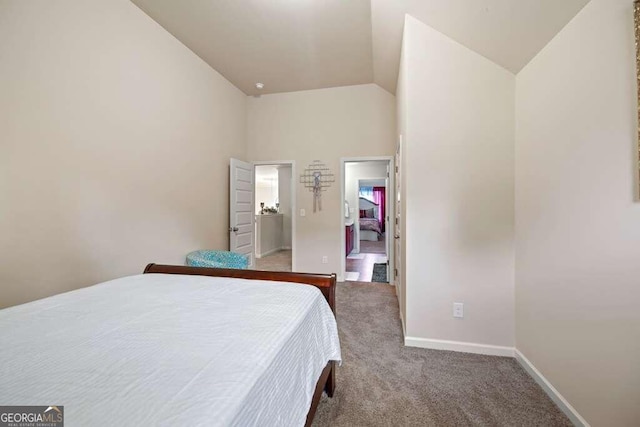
(176, 346)
(369, 223)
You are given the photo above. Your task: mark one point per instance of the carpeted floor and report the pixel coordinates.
(383, 383)
(279, 261)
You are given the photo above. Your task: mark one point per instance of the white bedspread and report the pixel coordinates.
(161, 349)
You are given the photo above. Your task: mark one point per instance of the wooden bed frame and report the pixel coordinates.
(325, 282)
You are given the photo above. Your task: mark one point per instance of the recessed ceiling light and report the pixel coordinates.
(259, 86)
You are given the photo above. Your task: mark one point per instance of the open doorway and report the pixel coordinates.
(274, 220)
(367, 190)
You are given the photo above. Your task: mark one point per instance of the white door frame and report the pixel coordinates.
(390, 212)
(357, 232)
(292, 163)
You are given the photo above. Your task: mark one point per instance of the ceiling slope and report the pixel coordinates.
(508, 32)
(288, 45)
(292, 45)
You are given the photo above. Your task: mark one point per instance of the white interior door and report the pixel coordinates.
(396, 223)
(241, 209)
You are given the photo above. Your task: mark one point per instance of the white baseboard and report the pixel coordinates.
(465, 347)
(269, 252)
(551, 391)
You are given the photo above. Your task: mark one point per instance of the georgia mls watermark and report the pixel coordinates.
(31, 416)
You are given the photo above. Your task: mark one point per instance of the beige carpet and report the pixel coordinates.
(383, 383)
(278, 261)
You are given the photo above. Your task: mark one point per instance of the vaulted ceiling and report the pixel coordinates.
(292, 45)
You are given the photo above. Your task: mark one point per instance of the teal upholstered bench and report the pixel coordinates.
(217, 259)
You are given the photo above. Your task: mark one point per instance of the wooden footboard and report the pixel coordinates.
(326, 382)
(325, 282)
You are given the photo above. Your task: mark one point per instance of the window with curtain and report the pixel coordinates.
(379, 198)
(366, 193)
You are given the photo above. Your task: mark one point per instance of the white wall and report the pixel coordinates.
(266, 193)
(578, 218)
(266, 189)
(459, 183)
(324, 124)
(115, 141)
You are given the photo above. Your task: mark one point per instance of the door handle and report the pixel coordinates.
(234, 229)
(397, 236)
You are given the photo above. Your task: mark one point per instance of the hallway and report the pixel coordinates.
(360, 266)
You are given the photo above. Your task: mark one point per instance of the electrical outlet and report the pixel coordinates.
(458, 310)
(325, 259)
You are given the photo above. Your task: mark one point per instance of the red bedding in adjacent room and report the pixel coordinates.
(372, 224)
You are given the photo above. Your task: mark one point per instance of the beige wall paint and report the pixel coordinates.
(114, 146)
(324, 124)
(459, 179)
(578, 219)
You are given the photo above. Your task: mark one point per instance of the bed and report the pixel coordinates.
(369, 226)
(176, 345)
